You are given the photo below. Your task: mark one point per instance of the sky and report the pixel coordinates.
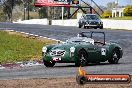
(121, 2)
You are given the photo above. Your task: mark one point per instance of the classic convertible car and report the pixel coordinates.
(90, 20)
(81, 50)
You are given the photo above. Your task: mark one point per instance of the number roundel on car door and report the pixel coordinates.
(103, 51)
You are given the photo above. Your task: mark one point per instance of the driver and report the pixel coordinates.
(81, 35)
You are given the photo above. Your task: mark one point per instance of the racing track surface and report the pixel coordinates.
(124, 38)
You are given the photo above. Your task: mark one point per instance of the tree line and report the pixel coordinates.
(7, 7)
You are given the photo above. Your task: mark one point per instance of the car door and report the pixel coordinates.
(97, 53)
(102, 52)
(93, 53)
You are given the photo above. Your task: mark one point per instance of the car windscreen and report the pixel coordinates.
(84, 34)
(95, 36)
(77, 39)
(91, 17)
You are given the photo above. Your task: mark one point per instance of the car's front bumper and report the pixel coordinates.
(62, 59)
(90, 25)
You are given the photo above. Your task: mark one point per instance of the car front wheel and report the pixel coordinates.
(115, 57)
(84, 26)
(82, 58)
(49, 64)
(80, 26)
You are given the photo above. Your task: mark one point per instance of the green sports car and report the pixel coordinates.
(87, 47)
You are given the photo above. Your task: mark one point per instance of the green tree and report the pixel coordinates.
(2, 15)
(43, 12)
(111, 5)
(128, 11)
(107, 14)
(8, 7)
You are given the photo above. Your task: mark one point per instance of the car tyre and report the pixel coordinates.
(115, 57)
(82, 58)
(80, 26)
(101, 27)
(95, 27)
(84, 27)
(49, 64)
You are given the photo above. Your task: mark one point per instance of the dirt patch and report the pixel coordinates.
(69, 82)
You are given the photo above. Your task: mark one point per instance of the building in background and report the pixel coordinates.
(117, 12)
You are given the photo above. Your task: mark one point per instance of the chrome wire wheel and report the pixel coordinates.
(82, 58)
(115, 57)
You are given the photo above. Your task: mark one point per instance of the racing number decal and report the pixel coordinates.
(103, 51)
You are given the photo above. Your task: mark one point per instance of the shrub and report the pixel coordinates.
(128, 11)
(106, 14)
(2, 16)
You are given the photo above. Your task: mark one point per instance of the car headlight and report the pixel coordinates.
(44, 49)
(101, 22)
(72, 49)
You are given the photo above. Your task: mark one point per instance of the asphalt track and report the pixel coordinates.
(123, 37)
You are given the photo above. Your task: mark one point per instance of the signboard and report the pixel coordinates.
(75, 1)
(51, 3)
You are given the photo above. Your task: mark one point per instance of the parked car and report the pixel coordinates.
(90, 20)
(82, 50)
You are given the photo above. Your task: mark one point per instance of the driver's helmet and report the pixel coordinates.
(81, 35)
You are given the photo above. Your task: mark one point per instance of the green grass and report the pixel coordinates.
(120, 18)
(15, 47)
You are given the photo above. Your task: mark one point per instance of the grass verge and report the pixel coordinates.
(120, 18)
(16, 47)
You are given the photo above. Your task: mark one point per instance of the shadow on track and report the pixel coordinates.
(90, 64)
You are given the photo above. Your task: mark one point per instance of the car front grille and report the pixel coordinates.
(93, 23)
(57, 53)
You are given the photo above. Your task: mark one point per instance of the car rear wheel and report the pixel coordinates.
(49, 64)
(82, 58)
(115, 57)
